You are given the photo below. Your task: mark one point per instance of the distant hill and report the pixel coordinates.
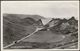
(22, 16)
(65, 26)
(27, 21)
(73, 21)
(11, 18)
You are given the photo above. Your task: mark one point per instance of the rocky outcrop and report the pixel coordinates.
(65, 26)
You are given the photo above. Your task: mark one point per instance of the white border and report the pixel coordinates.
(30, 49)
(1, 29)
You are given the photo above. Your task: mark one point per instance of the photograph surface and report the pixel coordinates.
(40, 25)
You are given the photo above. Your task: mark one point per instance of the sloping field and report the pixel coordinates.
(48, 42)
(45, 36)
(40, 39)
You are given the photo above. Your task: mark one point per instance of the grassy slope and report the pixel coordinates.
(44, 36)
(14, 30)
(40, 37)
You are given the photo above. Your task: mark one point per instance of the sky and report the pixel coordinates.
(48, 9)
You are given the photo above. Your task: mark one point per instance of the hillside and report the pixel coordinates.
(65, 26)
(22, 16)
(16, 27)
(19, 26)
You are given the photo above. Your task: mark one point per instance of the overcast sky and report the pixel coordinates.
(60, 9)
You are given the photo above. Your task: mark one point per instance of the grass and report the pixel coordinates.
(44, 36)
